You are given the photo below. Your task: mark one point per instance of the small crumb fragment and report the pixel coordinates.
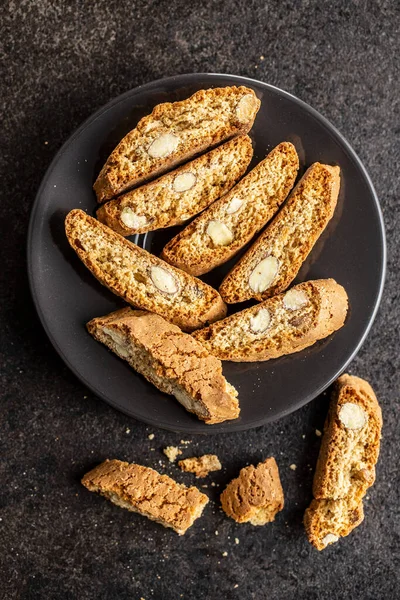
(293, 467)
(151, 436)
(236, 540)
(172, 452)
(201, 466)
(318, 433)
(262, 57)
(186, 441)
(224, 554)
(127, 430)
(304, 436)
(213, 484)
(46, 143)
(236, 585)
(216, 532)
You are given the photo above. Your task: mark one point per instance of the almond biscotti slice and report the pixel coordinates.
(275, 258)
(171, 360)
(346, 463)
(144, 491)
(228, 224)
(351, 441)
(175, 132)
(256, 496)
(141, 278)
(281, 325)
(179, 195)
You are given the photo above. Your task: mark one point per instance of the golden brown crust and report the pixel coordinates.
(290, 237)
(170, 359)
(346, 463)
(157, 204)
(288, 330)
(338, 456)
(126, 270)
(326, 518)
(201, 466)
(198, 123)
(143, 490)
(256, 495)
(260, 192)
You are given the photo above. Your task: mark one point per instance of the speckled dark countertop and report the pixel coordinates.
(63, 60)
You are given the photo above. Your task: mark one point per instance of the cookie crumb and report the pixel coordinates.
(127, 430)
(262, 57)
(172, 452)
(236, 540)
(216, 532)
(151, 436)
(293, 467)
(318, 433)
(224, 554)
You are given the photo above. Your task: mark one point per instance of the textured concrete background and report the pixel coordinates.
(62, 61)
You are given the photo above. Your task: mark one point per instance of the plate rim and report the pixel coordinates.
(215, 429)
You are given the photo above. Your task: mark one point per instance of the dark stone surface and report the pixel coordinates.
(63, 60)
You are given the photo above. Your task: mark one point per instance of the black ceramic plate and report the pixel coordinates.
(351, 250)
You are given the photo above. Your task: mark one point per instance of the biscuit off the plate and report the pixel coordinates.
(256, 496)
(175, 132)
(173, 361)
(275, 258)
(228, 224)
(181, 194)
(144, 491)
(140, 278)
(346, 463)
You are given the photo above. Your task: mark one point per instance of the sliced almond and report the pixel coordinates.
(164, 145)
(352, 416)
(184, 182)
(118, 340)
(264, 274)
(220, 233)
(246, 108)
(295, 299)
(330, 538)
(132, 220)
(234, 206)
(261, 321)
(164, 280)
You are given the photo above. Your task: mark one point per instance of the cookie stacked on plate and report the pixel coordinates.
(178, 332)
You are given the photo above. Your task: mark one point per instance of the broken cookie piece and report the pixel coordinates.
(326, 521)
(346, 463)
(201, 466)
(144, 491)
(256, 496)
